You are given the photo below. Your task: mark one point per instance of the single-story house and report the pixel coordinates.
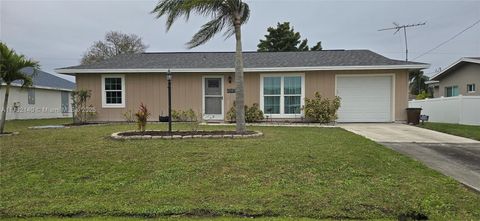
(460, 78)
(373, 88)
(48, 97)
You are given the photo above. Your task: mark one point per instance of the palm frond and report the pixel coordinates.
(223, 14)
(207, 31)
(11, 65)
(174, 9)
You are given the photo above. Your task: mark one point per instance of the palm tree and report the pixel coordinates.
(227, 16)
(10, 65)
(417, 82)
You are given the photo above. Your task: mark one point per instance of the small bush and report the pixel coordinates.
(142, 117)
(252, 114)
(129, 116)
(232, 114)
(81, 113)
(321, 110)
(188, 116)
(422, 96)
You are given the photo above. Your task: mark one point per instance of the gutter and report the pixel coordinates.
(74, 71)
(40, 87)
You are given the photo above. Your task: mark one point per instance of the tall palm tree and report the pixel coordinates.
(227, 16)
(417, 82)
(10, 65)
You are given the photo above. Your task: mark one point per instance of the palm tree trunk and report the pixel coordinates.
(4, 111)
(239, 90)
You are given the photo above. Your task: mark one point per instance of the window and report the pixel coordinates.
(113, 91)
(31, 96)
(471, 88)
(282, 95)
(64, 95)
(271, 95)
(451, 91)
(292, 95)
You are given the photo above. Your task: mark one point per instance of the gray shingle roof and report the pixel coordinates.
(44, 79)
(201, 60)
(455, 66)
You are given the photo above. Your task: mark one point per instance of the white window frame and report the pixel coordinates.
(104, 94)
(282, 95)
(474, 88)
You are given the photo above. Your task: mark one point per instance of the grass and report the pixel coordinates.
(290, 173)
(468, 131)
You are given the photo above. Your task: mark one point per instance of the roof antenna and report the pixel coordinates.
(404, 27)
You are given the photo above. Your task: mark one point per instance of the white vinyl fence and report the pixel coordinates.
(457, 110)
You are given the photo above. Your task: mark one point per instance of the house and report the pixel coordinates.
(460, 78)
(373, 88)
(48, 97)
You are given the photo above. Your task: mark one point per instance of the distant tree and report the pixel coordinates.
(284, 38)
(317, 47)
(115, 43)
(11, 65)
(417, 82)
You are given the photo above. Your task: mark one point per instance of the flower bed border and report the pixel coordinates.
(117, 136)
(9, 134)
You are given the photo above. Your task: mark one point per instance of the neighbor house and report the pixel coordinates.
(373, 88)
(48, 97)
(460, 78)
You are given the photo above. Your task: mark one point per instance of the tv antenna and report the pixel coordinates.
(404, 27)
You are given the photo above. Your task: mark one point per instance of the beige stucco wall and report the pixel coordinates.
(151, 89)
(468, 74)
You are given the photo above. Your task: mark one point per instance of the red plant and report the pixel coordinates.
(142, 117)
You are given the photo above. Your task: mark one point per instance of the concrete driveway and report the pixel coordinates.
(453, 156)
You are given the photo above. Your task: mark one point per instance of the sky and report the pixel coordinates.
(58, 32)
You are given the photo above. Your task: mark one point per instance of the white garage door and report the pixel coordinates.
(365, 98)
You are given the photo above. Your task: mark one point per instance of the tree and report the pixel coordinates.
(284, 38)
(115, 43)
(417, 82)
(79, 105)
(11, 65)
(228, 16)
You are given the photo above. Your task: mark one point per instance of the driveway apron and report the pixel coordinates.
(451, 155)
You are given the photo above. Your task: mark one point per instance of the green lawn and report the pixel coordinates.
(290, 173)
(468, 131)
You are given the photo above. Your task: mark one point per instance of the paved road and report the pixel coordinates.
(453, 156)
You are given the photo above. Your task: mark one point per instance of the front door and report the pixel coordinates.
(213, 98)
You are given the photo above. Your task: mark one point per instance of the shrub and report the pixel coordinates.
(142, 117)
(82, 113)
(188, 116)
(422, 96)
(252, 114)
(184, 116)
(128, 116)
(322, 110)
(232, 114)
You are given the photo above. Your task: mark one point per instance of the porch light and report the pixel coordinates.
(169, 75)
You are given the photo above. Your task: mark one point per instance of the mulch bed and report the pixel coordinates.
(82, 124)
(7, 134)
(184, 133)
(157, 134)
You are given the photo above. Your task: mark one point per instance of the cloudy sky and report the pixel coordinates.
(58, 32)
